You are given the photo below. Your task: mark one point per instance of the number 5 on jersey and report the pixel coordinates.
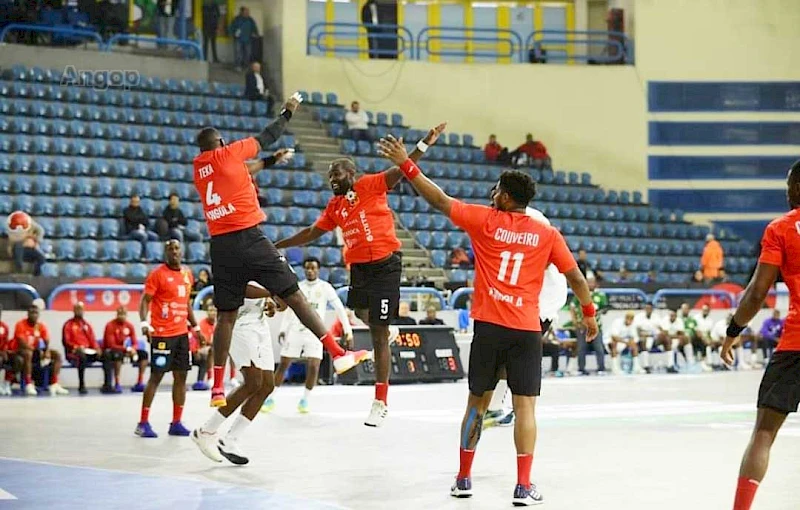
(505, 257)
(212, 198)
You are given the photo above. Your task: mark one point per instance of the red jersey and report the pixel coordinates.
(780, 247)
(535, 150)
(227, 191)
(366, 221)
(169, 308)
(30, 335)
(78, 333)
(117, 334)
(512, 250)
(4, 336)
(207, 329)
(492, 151)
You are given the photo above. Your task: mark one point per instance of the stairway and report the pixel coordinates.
(320, 150)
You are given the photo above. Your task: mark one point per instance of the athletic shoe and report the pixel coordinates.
(377, 414)
(117, 388)
(462, 488)
(229, 449)
(106, 390)
(5, 388)
(218, 397)
(527, 496)
(302, 406)
(506, 421)
(268, 405)
(672, 370)
(82, 390)
(177, 429)
(207, 443)
(350, 359)
(744, 366)
(394, 334)
(706, 367)
(601, 372)
(200, 386)
(57, 389)
(137, 388)
(30, 390)
(145, 430)
(490, 418)
(556, 373)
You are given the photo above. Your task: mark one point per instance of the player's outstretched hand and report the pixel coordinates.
(280, 304)
(434, 133)
(726, 355)
(591, 328)
(293, 102)
(283, 155)
(392, 149)
(270, 307)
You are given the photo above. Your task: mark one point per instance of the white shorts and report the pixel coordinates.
(301, 344)
(621, 346)
(251, 345)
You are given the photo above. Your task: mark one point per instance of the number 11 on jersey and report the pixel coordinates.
(505, 257)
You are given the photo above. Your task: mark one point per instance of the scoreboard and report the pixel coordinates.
(420, 354)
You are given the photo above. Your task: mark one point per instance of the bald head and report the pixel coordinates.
(209, 139)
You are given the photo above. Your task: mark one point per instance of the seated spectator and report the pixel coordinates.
(537, 54)
(200, 355)
(6, 358)
(495, 152)
(119, 342)
(172, 224)
(623, 276)
(673, 335)
(650, 277)
(585, 266)
(623, 335)
(203, 281)
(464, 318)
(459, 258)
(722, 277)
(403, 315)
(32, 343)
(357, 122)
(82, 349)
(771, 331)
(532, 153)
(134, 224)
(430, 318)
(697, 281)
(25, 238)
(254, 87)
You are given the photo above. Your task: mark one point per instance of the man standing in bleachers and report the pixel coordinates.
(243, 29)
(713, 258)
(135, 222)
(81, 348)
(254, 87)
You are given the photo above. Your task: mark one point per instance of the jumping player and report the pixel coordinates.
(779, 393)
(167, 300)
(251, 351)
(512, 251)
(297, 341)
(360, 209)
(240, 252)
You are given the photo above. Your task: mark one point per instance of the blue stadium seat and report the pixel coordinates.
(315, 252)
(271, 231)
(424, 238)
(333, 256)
(154, 251)
(67, 228)
(280, 179)
(94, 271)
(438, 222)
(72, 271)
(338, 277)
(129, 251)
(408, 220)
(88, 228)
(294, 256)
(295, 216)
(196, 252)
(65, 250)
(397, 119)
(50, 270)
(458, 275)
(423, 221)
(117, 271)
(439, 257)
(455, 240)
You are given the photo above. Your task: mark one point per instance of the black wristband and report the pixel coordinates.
(734, 329)
(286, 114)
(269, 161)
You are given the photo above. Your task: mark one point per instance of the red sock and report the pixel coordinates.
(145, 417)
(465, 464)
(28, 379)
(177, 412)
(524, 462)
(381, 391)
(53, 378)
(116, 380)
(745, 492)
(233, 372)
(140, 378)
(331, 346)
(219, 377)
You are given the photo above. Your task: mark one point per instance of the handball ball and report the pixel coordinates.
(19, 221)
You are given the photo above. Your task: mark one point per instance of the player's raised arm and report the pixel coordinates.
(394, 150)
(279, 156)
(304, 236)
(394, 174)
(275, 129)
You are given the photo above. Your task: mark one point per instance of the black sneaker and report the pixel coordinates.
(672, 370)
(82, 390)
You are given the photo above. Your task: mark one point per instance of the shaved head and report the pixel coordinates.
(209, 139)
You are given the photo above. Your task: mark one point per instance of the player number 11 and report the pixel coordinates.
(505, 257)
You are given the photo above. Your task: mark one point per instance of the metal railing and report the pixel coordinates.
(442, 37)
(19, 287)
(67, 31)
(189, 44)
(89, 287)
(327, 37)
(723, 294)
(618, 47)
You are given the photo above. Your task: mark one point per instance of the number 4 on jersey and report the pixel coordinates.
(212, 198)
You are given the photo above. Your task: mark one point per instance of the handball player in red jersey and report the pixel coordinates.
(240, 252)
(779, 393)
(360, 209)
(512, 251)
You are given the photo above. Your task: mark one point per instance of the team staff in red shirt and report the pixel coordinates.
(167, 301)
(7, 358)
(32, 342)
(512, 251)
(240, 252)
(81, 348)
(359, 207)
(779, 393)
(119, 342)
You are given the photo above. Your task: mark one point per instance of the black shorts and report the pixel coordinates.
(170, 353)
(376, 287)
(112, 355)
(494, 347)
(142, 355)
(780, 386)
(243, 256)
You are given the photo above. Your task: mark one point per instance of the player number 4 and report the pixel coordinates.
(505, 257)
(212, 198)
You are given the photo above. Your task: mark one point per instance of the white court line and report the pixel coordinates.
(6, 495)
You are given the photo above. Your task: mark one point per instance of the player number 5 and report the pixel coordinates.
(384, 307)
(211, 197)
(505, 257)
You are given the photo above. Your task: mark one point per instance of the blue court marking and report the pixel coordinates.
(41, 485)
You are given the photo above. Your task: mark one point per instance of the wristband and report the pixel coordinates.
(269, 161)
(145, 324)
(286, 114)
(588, 310)
(734, 329)
(409, 169)
(422, 146)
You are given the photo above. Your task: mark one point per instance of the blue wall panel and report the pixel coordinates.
(485, 17)
(718, 167)
(723, 96)
(720, 200)
(315, 14)
(751, 230)
(452, 15)
(724, 133)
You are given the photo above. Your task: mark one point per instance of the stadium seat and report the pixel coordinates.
(50, 270)
(72, 271)
(438, 258)
(338, 277)
(332, 256)
(117, 271)
(129, 251)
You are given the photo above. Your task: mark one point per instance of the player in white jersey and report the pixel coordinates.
(297, 341)
(251, 352)
(551, 299)
(623, 334)
(647, 326)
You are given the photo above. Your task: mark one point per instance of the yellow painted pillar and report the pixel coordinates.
(197, 14)
(434, 20)
(504, 23)
(570, 24)
(330, 17)
(468, 23)
(401, 18)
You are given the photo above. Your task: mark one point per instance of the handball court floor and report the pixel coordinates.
(656, 442)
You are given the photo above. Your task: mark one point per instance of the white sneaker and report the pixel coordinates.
(5, 388)
(207, 443)
(394, 334)
(744, 366)
(30, 390)
(234, 383)
(377, 414)
(706, 367)
(229, 448)
(57, 389)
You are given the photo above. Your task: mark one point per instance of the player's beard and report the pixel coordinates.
(342, 187)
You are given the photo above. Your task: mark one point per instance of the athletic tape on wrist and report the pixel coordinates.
(588, 310)
(145, 324)
(422, 146)
(409, 169)
(734, 329)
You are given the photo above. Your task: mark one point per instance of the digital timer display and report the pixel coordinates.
(409, 339)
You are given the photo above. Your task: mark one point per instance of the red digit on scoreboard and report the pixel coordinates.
(451, 364)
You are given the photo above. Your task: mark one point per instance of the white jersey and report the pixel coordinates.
(624, 331)
(646, 325)
(672, 328)
(719, 331)
(319, 294)
(704, 324)
(554, 286)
